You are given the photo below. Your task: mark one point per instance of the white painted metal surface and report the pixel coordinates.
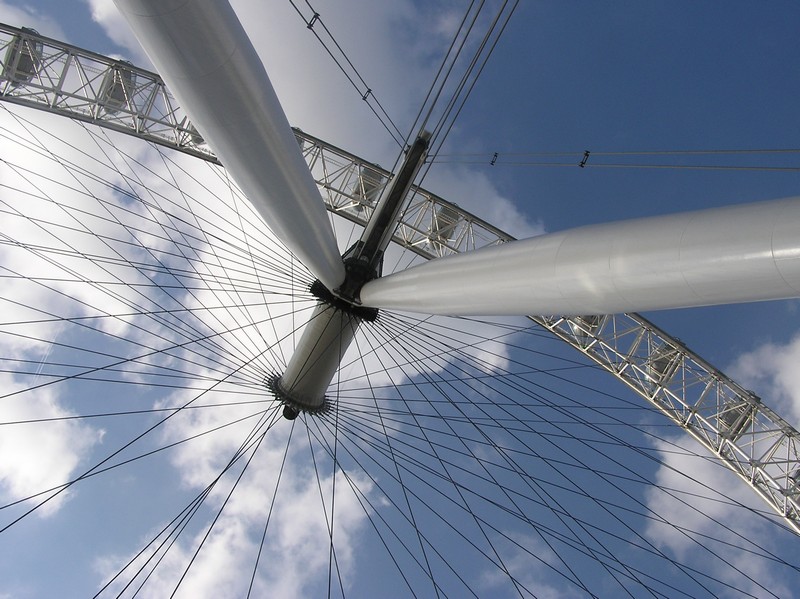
(317, 356)
(202, 51)
(724, 255)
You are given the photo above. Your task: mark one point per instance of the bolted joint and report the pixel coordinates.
(291, 406)
(358, 273)
(359, 270)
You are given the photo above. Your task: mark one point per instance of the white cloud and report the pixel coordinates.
(707, 519)
(105, 13)
(529, 560)
(318, 98)
(474, 192)
(25, 15)
(295, 556)
(55, 222)
(45, 282)
(299, 527)
(771, 370)
(39, 456)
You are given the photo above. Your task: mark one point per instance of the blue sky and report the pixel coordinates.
(566, 77)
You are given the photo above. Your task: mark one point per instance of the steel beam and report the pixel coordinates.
(742, 253)
(201, 49)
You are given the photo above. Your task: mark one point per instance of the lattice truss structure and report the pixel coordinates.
(731, 422)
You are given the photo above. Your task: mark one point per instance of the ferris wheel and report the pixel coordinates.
(305, 422)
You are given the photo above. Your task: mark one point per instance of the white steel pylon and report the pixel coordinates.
(202, 49)
(742, 253)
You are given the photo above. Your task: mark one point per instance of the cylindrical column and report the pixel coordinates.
(735, 254)
(202, 51)
(316, 358)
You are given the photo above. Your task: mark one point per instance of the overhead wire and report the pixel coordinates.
(470, 78)
(361, 86)
(592, 470)
(586, 159)
(461, 91)
(450, 57)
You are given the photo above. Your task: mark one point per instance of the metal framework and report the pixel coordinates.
(731, 422)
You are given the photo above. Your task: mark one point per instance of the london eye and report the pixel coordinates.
(304, 374)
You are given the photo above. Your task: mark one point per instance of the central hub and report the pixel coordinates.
(328, 334)
(338, 313)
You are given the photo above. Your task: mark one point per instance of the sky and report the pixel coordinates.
(566, 77)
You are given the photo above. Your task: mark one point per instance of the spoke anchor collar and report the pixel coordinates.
(292, 405)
